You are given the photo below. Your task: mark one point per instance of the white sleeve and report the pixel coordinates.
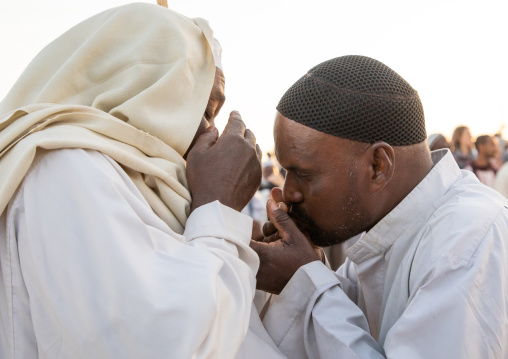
(313, 318)
(108, 279)
(458, 309)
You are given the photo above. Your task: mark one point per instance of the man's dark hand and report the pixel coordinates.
(280, 256)
(268, 228)
(225, 168)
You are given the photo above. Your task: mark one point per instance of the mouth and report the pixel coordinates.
(302, 221)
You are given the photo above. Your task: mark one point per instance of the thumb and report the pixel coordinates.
(281, 220)
(207, 139)
(277, 194)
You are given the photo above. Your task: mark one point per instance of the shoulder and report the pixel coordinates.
(468, 214)
(75, 170)
(64, 164)
(72, 180)
(464, 239)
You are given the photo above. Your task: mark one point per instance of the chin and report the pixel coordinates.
(316, 234)
(322, 238)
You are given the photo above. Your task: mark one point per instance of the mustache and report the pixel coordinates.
(302, 219)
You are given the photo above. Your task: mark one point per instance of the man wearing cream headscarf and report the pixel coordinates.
(102, 252)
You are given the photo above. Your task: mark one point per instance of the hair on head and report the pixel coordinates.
(481, 140)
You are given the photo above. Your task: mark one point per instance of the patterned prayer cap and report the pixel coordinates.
(358, 98)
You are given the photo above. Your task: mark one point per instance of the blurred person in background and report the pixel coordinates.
(437, 141)
(482, 166)
(462, 146)
(501, 144)
(256, 208)
(501, 181)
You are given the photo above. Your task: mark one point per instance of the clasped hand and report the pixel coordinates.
(284, 248)
(225, 168)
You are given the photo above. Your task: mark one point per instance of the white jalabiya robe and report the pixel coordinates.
(89, 271)
(430, 280)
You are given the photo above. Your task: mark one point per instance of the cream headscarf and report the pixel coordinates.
(132, 82)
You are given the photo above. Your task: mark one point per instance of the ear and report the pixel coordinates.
(382, 165)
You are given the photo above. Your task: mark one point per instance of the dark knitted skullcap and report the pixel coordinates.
(358, 98)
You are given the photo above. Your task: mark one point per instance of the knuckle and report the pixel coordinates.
(268, 228)
(235, 117)
(281, 216)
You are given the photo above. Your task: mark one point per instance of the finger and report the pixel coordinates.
(207, 139)
(283, 206)
(259, 152)
(281, 220)
(268, 229)
(250, 137)
(235, 125)
(277, 194)
(259, 248)
(272, 238)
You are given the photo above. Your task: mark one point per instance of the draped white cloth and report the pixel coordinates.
(430, 280)
(132, 82)
(97, 256)
(88, 270)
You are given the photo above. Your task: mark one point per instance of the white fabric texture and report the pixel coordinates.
(132, 82)
(428, 281)
(88, 270)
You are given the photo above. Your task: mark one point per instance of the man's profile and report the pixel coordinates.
(428, 274)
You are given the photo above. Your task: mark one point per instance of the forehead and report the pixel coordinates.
(293, 138)
(296, 144)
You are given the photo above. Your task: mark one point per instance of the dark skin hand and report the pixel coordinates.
(231, 165)
(257, 233)
(268, 227)
(288, 245)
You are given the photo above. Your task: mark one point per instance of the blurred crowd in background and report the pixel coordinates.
(486, 156)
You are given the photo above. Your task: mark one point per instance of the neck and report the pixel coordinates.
(465, 149)
(482, 160)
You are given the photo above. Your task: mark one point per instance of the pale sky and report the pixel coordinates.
(451, 52)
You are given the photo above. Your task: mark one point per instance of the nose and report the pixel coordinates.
(290, 192)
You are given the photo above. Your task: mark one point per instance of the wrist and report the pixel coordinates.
(196, 203)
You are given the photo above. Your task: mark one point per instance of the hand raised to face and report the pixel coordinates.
(282, 252)
(268, 228)
(225, 168)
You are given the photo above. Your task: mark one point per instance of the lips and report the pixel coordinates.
(302, 220)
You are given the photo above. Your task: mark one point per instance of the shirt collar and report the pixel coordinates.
(407, 217)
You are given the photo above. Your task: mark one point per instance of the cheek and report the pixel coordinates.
(325, 202)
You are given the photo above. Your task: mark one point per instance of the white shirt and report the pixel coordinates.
(89, 271)
(430, 280)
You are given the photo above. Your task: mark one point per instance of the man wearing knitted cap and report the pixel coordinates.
(428, 274)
